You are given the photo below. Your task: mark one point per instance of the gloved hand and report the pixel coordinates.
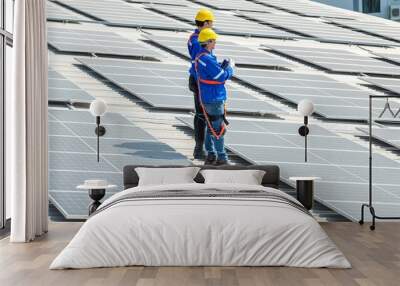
(224, 64)
(230, 72)
(232, 63)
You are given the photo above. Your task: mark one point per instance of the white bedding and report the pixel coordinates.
(200, 231)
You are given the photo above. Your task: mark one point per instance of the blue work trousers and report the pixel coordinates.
(213, 145)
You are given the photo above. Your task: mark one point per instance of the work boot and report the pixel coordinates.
(198, 152)
(210, 160)
(220, 162)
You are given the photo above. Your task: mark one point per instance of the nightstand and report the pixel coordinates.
(97, 190)
(305, 190)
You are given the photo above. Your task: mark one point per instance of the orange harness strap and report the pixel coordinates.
(199, 80)
(213, 82)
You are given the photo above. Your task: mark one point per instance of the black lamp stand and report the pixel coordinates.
(370, 203)
(100, 131)
(303, 131)
(96, 195)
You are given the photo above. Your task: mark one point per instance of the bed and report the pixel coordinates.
(197, 224)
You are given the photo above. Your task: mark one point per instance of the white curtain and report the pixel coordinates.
(26, 124)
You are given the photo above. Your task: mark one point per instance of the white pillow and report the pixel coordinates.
(166, 176)
(248, 177)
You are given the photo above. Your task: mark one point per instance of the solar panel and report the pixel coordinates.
(97, 42)
(226, 23)
(127, 146)
(165, 85)
(73, 204)
(120, 132)
(163, 2)
(308, 8)
(235, 5)
(73, 157)
(58, 13)
(385, 29)
(338, 60)
(388, 135)
(61, 89)
(56, 128)
(67, 144)
(67, 180)
(392, 85)
(224, 49)
(110, 118)
(317, 29)
(389, 56)
(147, 157)
(332, 99)
(342, 166)
(237, 138)
(119, 13)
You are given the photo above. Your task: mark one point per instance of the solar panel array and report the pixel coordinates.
(73, 157)
(388, 135)
(308, 8)
(392, 85)
(226, 23)
(338, 60)
(119, 13)
(332, 99)
(96, 42)
(61, 89)
(224, 49)
(235, 5)
(317, 29)
(341, 163)
(60, 14)
(165, 85)
(390, 31)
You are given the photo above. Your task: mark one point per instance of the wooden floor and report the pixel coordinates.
(375, 257)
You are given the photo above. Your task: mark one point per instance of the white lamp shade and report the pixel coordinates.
(305, 107)
(98, 107)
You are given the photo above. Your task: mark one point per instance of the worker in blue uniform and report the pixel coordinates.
(211, 77)
(204, 19)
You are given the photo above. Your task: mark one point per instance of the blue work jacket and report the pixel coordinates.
(194, 48)
(211, 77)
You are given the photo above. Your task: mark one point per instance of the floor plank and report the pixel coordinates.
(375, 257)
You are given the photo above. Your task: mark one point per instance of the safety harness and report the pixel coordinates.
(210, 118)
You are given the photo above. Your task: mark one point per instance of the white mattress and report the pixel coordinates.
(200, 232)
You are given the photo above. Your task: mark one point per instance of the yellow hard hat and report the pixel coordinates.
(207, 34)
(204, 15)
